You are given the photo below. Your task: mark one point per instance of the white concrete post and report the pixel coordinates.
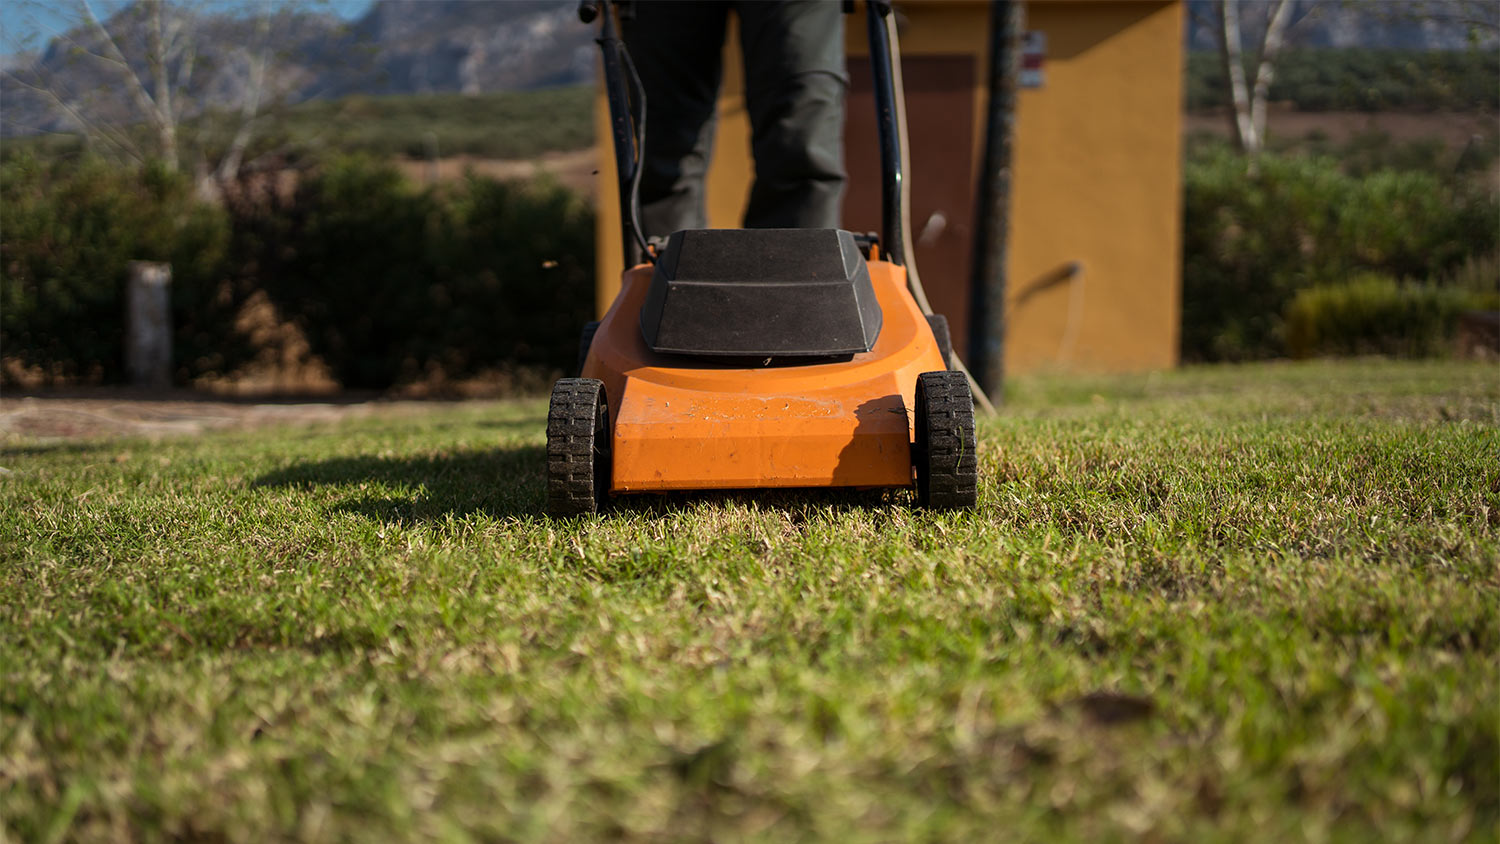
(148, 324)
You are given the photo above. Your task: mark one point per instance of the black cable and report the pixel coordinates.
(639, 119)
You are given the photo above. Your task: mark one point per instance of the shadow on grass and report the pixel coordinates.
(496, 482)
(511, 481)
(55, 449)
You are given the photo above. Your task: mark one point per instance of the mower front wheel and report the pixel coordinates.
(578, 448)
(944, 452)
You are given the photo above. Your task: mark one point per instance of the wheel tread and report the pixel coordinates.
(945, 454)
(578, 453)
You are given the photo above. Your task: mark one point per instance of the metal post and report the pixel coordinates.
(148, 324)
(987, 305)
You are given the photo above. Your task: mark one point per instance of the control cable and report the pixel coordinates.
(913, 278)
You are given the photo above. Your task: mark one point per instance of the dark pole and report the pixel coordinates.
(891, 178)
(987, 305)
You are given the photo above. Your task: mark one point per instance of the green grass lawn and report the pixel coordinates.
(1220, 604)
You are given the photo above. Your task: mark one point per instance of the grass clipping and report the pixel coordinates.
(1242, 603)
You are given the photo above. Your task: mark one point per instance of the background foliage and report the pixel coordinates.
(1252, 240)
(387, 282)
(70, 232)
(1373, 314)
(390, 283)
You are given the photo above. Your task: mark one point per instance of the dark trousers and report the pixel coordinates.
(794, 93)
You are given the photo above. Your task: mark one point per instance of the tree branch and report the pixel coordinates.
(229, 166)
(105, 133)
(133, 83)
(156, 64)
(1265, 69)
(1234, 71)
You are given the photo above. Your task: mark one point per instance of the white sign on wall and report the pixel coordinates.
(1033, 57)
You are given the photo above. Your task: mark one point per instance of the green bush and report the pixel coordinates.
(349, 260)
(1479, 274)
(1374, 314)
(526, 286)
(68, 235)
(1373, 150)
(390, 283)
(1250, 242)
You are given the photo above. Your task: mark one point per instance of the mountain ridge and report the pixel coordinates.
(476, 47)
(396, 47)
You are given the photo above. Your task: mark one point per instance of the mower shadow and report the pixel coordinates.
(55, 448)
(495, 482)
(511, 481)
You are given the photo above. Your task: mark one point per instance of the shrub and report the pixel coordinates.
(1374, 314)
(348, 259)
(391, 284)
(1479, 274)
(526, 283)
(387, 283)
(68, 236)
(1250, 242)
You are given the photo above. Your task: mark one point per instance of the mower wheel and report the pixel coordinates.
(944, 451)
(939, 325)
(585, 342)
(578, 448)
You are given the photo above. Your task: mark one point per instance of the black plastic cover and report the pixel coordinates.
(761, 292)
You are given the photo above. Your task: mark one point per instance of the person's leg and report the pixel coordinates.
(795, 84)
(677, 49)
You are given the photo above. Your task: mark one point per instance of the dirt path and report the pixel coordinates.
(1453, 128)
(122, 413)
(575, 170)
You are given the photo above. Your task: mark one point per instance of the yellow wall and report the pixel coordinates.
(1097, 180)
(1096, 177)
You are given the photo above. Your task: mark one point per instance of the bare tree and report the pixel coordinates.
(155, 53)
(1257, 46)
(1248, 117)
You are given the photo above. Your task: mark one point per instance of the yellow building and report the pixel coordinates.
(1094, 274)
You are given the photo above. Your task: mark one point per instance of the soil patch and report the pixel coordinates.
(1454, 128)
(112, 413)
(576, 170)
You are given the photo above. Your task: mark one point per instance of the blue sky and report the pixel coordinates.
(29, 24)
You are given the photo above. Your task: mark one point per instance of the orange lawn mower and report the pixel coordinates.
(760, 358)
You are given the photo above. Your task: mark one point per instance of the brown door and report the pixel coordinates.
(940, 122)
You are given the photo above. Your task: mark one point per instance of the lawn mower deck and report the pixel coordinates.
(743, 412)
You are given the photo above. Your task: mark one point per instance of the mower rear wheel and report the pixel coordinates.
(939, 325)
(578, 448)
(585, 342)
(944, 452)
